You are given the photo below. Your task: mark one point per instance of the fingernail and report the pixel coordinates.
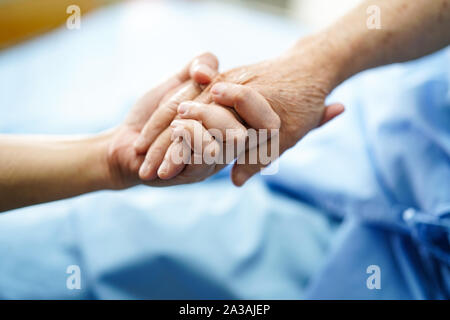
(219, 88)
(144, 170)
(183, 108)
(163, 168)
(206, 70)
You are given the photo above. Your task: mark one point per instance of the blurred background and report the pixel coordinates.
(24, 19)
(311, 13)
(275, 238)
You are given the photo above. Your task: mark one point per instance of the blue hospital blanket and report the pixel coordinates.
(382, 169)
(385, 164)
(208, 240)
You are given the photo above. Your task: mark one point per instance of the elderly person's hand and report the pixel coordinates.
(294, 86)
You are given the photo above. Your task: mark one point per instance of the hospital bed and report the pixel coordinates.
(369, 189)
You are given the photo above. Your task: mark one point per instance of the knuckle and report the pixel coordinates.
(172, 103)
(153, 127)
(199, 112)
(242, 95)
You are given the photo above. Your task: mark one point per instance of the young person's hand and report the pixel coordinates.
(37, 169)
(122, 159)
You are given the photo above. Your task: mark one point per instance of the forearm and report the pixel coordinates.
(41, 169)
(409, 30)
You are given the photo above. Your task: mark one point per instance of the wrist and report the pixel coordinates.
(120, 159)
(336, 53)
(322, 57)
(97, 168)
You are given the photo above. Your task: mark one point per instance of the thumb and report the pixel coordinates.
(331, 111)
(240, 173)
(203, 69)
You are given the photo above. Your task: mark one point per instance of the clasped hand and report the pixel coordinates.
(199, 114)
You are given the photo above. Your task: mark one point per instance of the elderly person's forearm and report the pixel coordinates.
(297, 83)
(407, 30)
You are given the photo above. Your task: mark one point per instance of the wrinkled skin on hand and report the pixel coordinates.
(295, 85)
(297, 97)
(296, 88)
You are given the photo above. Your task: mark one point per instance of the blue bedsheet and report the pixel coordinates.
(385, 165)
(371, 188)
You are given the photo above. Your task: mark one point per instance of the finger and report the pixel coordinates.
(201, 142)
(248, 103)
(214, 117)
(155, 155)
(331, 111)
(175, 160)
(199, 172)
(204, 68)
(240, 174)
(190, 134)
(163, 116)
(195, 69)
(147, 104)
(254, 160)
(201, 69)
